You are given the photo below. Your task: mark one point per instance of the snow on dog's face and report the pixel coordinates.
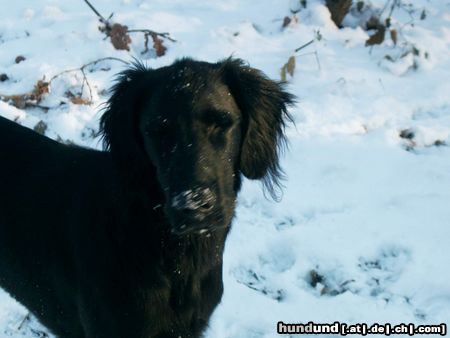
(192, 131)
(201, 126)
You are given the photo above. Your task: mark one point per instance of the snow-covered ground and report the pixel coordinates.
(363, 231)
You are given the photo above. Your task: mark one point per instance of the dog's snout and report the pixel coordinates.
(199, 200)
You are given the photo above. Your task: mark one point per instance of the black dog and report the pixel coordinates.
(128, 243)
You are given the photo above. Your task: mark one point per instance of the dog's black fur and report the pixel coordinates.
(128, 243)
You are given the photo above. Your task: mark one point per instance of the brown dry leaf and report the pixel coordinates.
(338, 10)
(283, 73)
(40, 127)
(286, 21)
(119, 37)
(19, 101)
(20, 58)
(290, 65)
(394, 36)
(315, 278)
(360, 6)
(408, 134)
(79, 100)
(160, 49)
(40, 89)
(373, 23)
(423, 15)
(378, 37)
(288, 68)
(22, 101)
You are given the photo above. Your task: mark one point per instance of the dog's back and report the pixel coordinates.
(38, 178)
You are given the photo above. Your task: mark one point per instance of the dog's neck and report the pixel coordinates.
(144, 234)
(210, 245)
(147, 247)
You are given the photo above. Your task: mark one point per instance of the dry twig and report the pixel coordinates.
(82, 70)
(42, 87)
(304, 46)
(120, 38)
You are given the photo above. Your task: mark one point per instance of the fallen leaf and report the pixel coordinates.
(160, 49)
(290, 65)
(40, 127)
(40, 89)
(394, 36)
(378, 37)
(407, 134)
(283, 73)
(373, 23)
(79, 100)
(360, 6)
(19, 101)
(286, 21)
(338, 10)
(423, 15)
(119, 37)
(20, 58)
(288, 68)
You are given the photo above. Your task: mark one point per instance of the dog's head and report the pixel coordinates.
(198, 126)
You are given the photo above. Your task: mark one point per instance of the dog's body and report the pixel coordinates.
(128, 243)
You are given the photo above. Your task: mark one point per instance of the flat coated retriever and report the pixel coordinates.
(128, 242)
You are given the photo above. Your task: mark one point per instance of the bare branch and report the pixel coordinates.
(304, 46)
(147, 32)
(33, 98)
(394, 4)
(82, 69)
(318, 60)
(119, 33)
(23, 321)
(102, 19)
(85, 80)
(87, 65)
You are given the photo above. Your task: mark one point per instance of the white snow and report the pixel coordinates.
(363, 231)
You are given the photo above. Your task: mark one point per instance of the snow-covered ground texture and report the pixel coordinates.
(362, 233)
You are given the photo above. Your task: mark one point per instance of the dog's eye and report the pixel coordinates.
(217, 121)
(216, 128)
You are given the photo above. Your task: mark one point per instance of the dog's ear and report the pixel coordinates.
(264, 104)
(119, 124)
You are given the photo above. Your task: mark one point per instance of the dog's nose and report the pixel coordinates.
(198, 200)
